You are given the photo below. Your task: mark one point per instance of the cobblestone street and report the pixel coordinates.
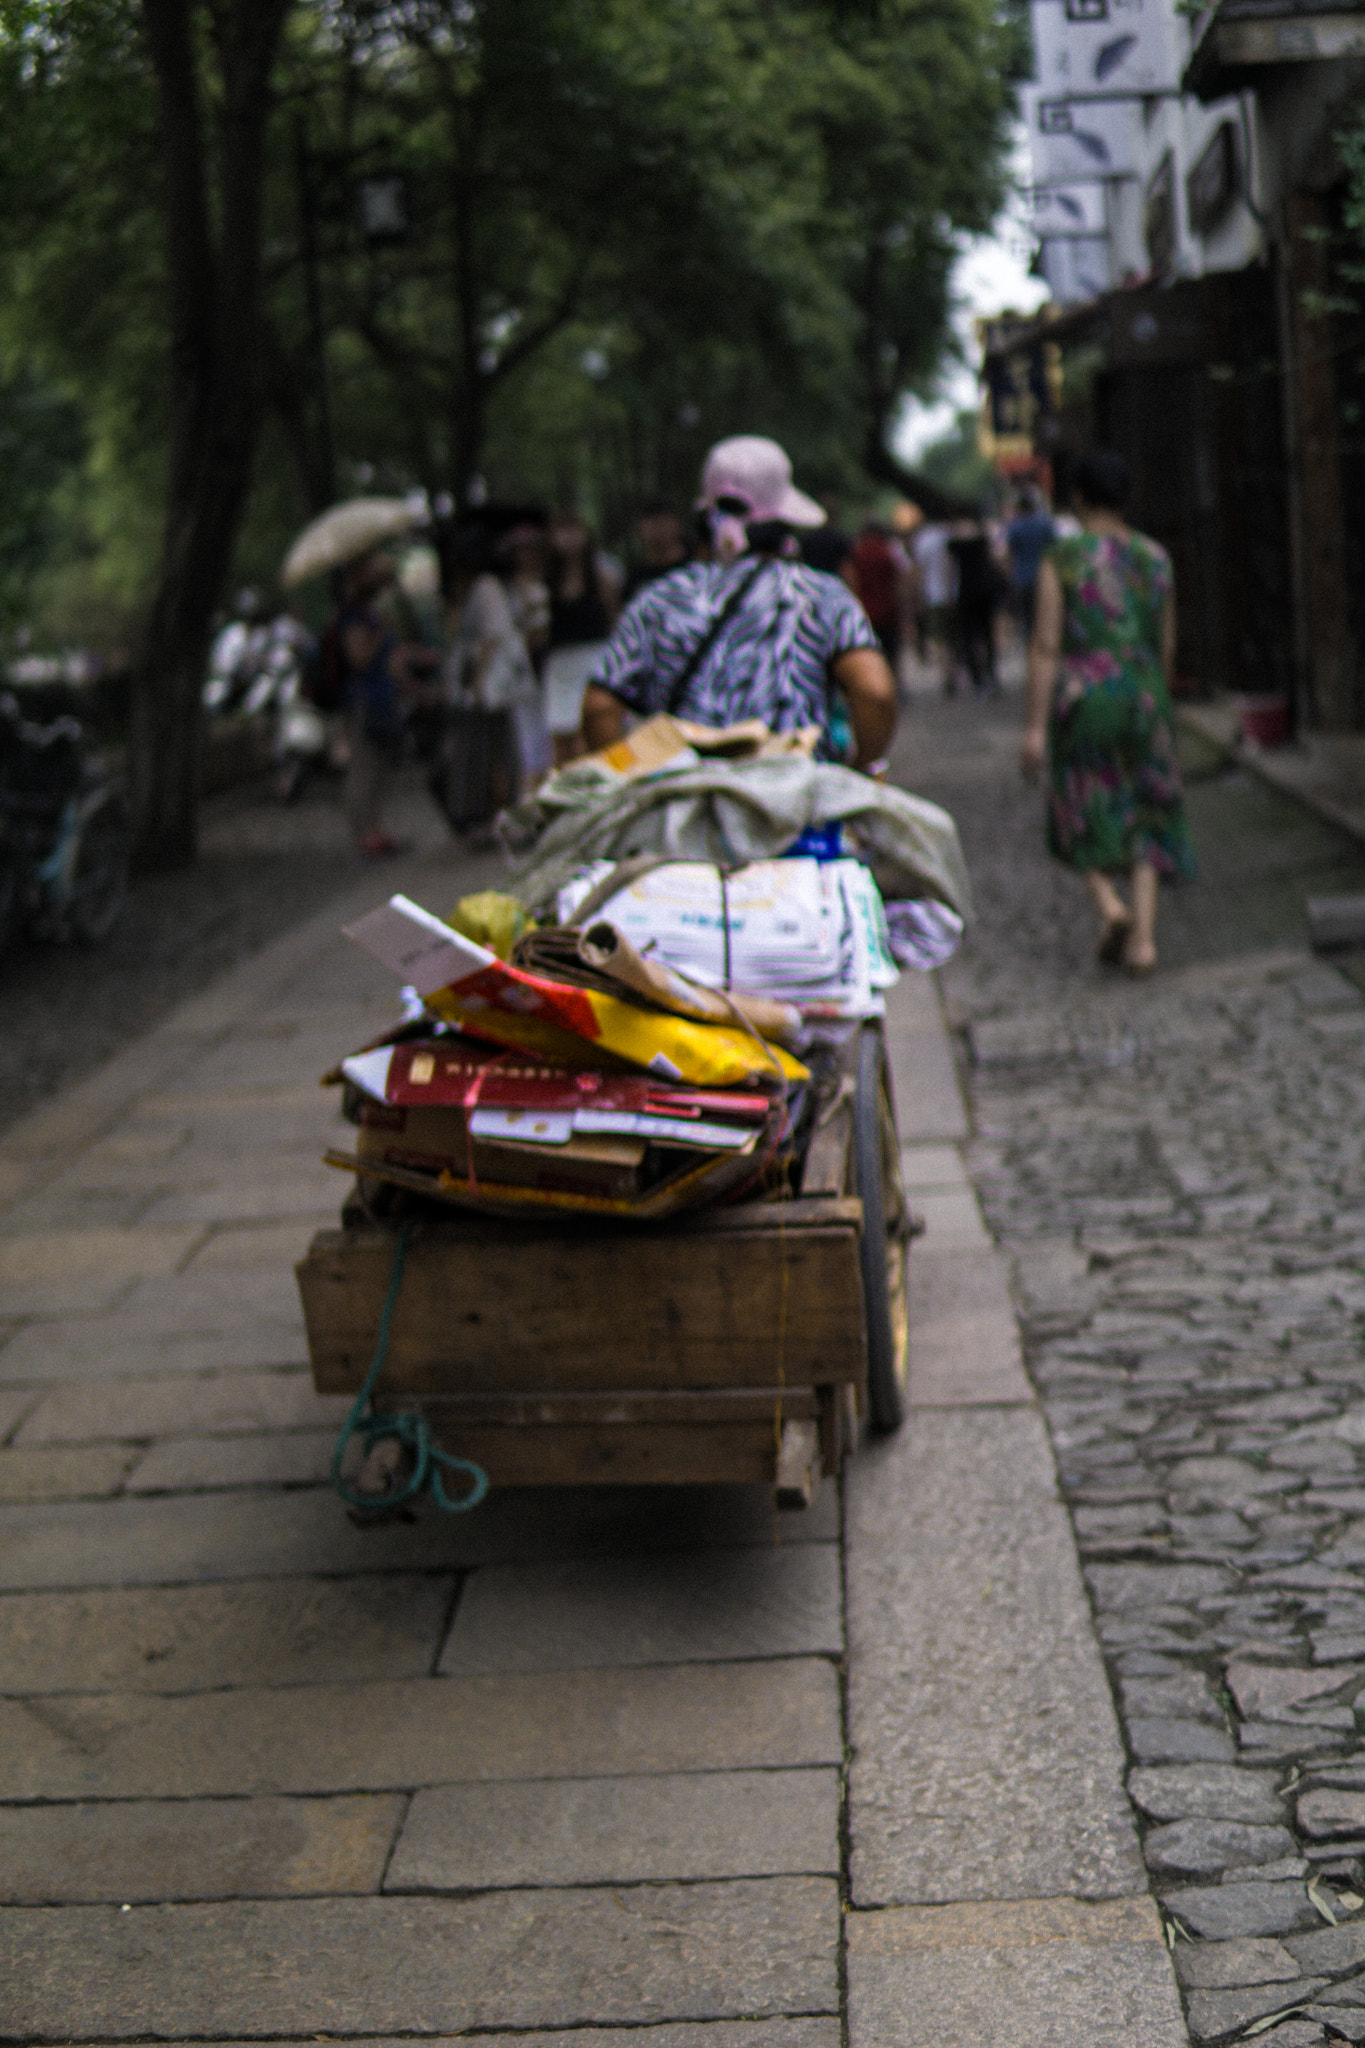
(1177, 1171)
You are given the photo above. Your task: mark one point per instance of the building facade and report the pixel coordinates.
(1193, 198)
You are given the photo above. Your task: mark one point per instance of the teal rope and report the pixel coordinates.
(412, 1431)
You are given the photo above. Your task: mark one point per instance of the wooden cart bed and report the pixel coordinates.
(730, 1345)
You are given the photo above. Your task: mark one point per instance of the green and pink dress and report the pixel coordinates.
(1115, 796)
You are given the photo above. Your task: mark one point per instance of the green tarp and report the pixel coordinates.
(731, 812)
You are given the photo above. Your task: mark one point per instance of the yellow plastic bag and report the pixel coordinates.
(467, 985)
(707, 1055)
(492, 919)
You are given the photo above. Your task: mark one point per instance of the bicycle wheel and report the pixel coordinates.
(886, 1228)
(98, 876)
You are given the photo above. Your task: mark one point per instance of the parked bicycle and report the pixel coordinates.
(65, 835)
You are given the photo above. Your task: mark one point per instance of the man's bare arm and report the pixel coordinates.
(862, 674)
(604, 720)
(866, 680)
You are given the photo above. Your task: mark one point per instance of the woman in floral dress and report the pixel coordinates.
(1099, 710)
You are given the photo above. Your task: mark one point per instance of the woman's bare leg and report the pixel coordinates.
(1141, 948)
(1106, 898)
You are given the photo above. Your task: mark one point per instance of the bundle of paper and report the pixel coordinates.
(806, 932)
(493, 1130)
(467, 985)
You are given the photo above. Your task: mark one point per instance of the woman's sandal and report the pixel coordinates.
(1113, 939)
(1139, 969)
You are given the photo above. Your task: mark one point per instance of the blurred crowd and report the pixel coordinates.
(950, 590)
(476, 648)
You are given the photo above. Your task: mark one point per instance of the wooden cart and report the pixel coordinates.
(736, 1344)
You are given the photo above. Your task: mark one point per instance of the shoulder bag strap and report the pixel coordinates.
(678, 688)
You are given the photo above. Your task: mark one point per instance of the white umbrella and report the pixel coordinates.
(343, 534)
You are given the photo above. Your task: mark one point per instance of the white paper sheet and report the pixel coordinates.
(808, 932)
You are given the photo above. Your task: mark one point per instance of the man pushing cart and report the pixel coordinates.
(753, 633)
(628, 1204)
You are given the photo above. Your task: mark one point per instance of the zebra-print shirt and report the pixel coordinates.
(770, 660)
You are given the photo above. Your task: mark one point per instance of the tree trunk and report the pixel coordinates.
(215, 404)
(468, 427)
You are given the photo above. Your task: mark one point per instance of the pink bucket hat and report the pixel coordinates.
(759, 473)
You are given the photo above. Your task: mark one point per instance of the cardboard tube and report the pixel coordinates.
(602, 947)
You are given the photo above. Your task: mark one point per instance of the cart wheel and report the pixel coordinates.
(886, 1227)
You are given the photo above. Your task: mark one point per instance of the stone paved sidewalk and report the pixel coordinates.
(1177, 1172)
(1325, 771)
(263, 868)
(578, 1766)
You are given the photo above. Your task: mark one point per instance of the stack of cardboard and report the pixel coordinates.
(471, 1124)
(608, 1093)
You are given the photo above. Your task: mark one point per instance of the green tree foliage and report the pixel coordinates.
(42, 444)
(911, 112)
(82, 319)
(626, 170)
(731, 214)
(957, 465)
(628, 230)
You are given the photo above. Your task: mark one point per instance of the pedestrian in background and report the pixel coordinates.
(879, 570)
(522, 553)
(828, 547)
(1028, 537)
(494, 732)
(662, 544)
(906, 521)
(937, 590)
(585, 602)
(375, 679)
(1099, 708)
(523, 568)
(978, 591)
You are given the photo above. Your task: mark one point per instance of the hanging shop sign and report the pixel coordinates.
(1068, 210)
(1077, 268)
(1021, 390)
(1106, 49)
(1073, 141)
